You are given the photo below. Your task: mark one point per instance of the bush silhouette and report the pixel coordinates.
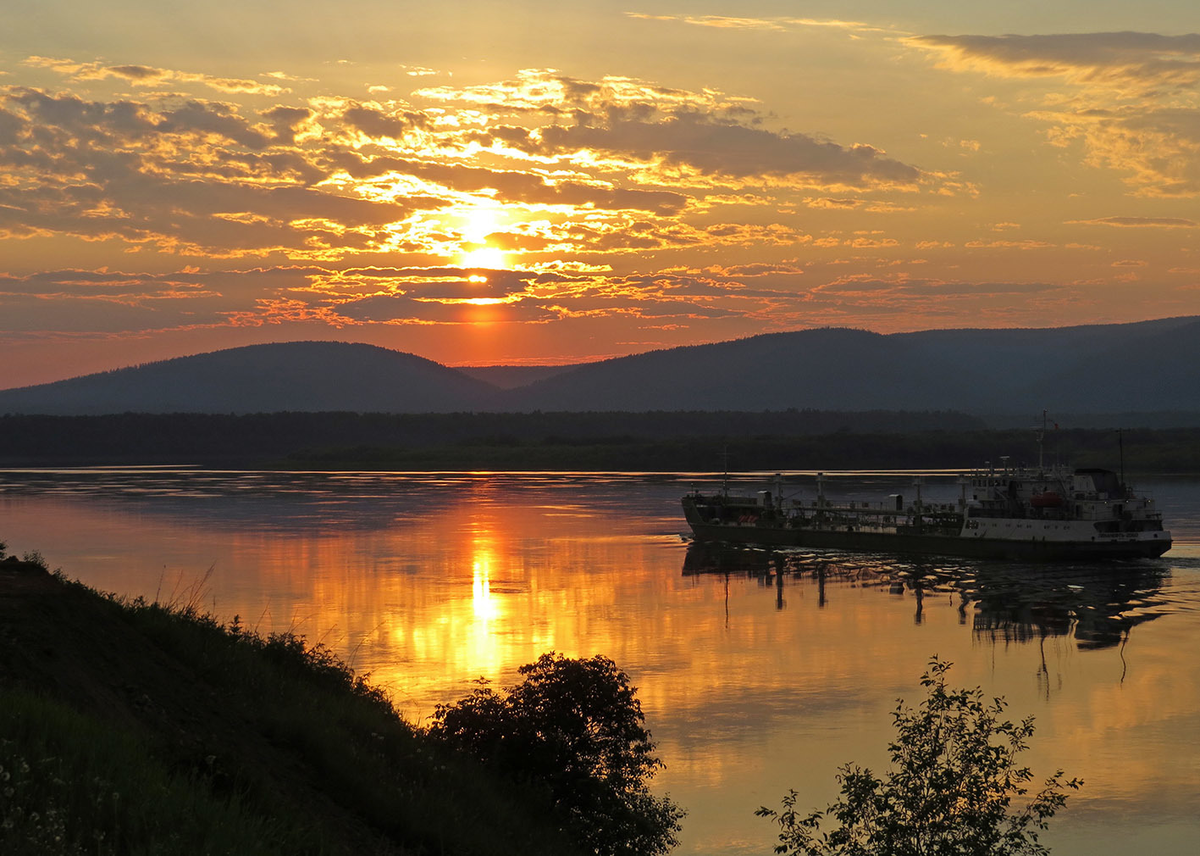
(573, 729)
(950, 791)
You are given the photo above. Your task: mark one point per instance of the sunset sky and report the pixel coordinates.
(550, 182)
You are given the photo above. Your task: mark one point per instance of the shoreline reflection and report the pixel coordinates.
(1096, 605)
(758, 672)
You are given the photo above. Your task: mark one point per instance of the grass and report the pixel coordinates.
(137, 727)
(72, 784)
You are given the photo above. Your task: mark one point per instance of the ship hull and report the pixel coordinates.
(1032, 549)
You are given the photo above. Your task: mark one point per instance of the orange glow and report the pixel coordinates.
(487, 607)
(1048, 180)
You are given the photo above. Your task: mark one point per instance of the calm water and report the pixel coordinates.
(758, 672)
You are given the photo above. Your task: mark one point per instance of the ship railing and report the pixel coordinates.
(857, 507)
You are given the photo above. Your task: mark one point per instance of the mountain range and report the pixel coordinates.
(1149, 366)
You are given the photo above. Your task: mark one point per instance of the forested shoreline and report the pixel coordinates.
(657, 441)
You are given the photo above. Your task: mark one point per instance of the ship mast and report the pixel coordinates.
(1121, 452)
(1041, 436)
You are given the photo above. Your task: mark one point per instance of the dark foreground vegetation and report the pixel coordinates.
(143, 728)
(663, 441)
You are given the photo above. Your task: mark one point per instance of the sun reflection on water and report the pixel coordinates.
(486, 607)
(751, 670)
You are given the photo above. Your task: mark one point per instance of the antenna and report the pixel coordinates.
(1041, 436)
(1121, 453)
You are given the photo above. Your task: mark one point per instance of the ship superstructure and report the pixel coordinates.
(1051, 513)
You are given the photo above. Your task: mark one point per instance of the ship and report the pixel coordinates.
(1040, 513)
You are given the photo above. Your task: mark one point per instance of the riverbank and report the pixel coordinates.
(134, 727)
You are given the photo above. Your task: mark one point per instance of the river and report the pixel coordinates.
(758, 672)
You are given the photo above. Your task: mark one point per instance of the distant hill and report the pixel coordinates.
(1151, 366)
(1148, 366)
(296, 376)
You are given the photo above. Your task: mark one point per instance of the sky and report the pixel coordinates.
(546, 183)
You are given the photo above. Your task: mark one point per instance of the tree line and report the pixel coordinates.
(662, 441)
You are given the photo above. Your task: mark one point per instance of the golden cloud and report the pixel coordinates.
(1134, 107)
(1140, 222)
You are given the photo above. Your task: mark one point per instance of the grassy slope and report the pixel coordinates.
(133, 728)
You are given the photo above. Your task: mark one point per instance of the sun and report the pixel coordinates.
(478, 225)
(486, 257)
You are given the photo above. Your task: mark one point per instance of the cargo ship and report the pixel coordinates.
(1033, 513)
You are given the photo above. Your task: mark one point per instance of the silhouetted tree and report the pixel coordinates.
(573, 728)
(949, 793)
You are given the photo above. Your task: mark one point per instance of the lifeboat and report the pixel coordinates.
(1046, 499)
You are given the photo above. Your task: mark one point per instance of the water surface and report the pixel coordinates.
(758, 671)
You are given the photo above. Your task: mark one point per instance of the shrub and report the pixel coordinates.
(954, 777)
(574, 729)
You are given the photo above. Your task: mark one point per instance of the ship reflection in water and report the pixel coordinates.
(1096, 605)
(759, 671)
